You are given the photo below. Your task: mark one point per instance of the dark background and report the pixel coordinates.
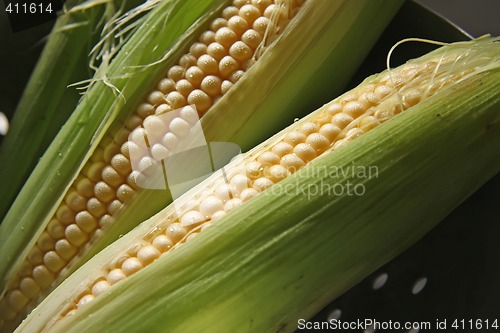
(477, 17)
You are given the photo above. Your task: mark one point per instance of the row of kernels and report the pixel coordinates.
(211, 208)
(27, 288)
(60, 241)
(219, 52)
(159, 136)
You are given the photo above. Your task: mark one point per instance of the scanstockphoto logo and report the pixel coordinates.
(333, 181)
(170, 151)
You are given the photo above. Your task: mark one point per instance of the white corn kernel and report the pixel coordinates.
(100, 287)
(162, 243)
(191, 218)
(116, 275)
(148, 254)
(176, 232)
(233, 203)
(131, 265)
(85, 300)
(209, 206)
(179, 127)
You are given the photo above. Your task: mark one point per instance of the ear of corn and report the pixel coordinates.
(47, 102)
(271, 258)
(316, 40)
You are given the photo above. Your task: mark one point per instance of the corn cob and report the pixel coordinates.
(451, 77)
(106, 182)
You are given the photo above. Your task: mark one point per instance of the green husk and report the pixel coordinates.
(280, 258)
(47, 102)
(289, 78)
